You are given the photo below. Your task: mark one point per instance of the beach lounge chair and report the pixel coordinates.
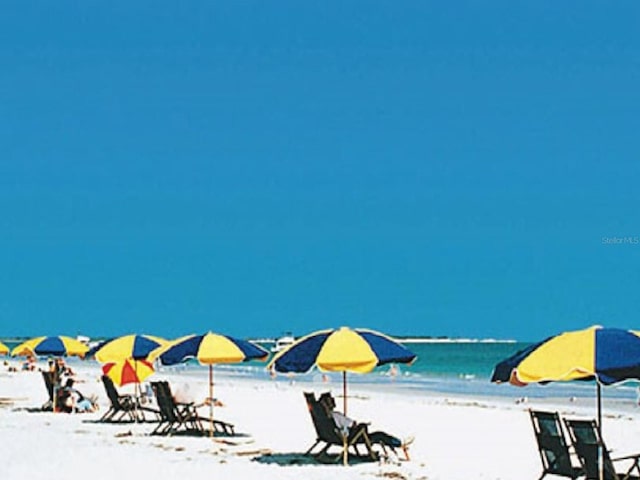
(178, 417)
(552, 445)
(329, 434)
(589, 446)
(122, 408)
(50, 385)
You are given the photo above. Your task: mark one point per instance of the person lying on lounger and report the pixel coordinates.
(345, 423)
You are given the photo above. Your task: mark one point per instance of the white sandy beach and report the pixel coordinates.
(455, 437)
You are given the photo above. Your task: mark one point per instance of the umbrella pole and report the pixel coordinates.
(345, 451)
(136, 389)
(211, 400)
(599, 395)
(344, 391)
(600, 452)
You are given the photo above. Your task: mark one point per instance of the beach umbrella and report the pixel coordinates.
(123, 372)
(136, 347)
(58, 346)
(209, 349)
(606, 355)
(341, 350)
(3, 349)
(133, 347)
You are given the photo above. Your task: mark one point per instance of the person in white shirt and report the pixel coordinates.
(184, 394)
(345, 424)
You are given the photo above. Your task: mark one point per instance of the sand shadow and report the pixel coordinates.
(296, 458)
(32, 409)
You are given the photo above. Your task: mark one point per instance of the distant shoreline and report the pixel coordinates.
(454, 340)
(423, 340)
(399, 339)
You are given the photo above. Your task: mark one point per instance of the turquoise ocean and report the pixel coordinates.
(457, 367)
(447, 367)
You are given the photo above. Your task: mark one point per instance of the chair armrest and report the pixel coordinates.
(358, 427)
(185, 407)
(127, 401)
(627, 457)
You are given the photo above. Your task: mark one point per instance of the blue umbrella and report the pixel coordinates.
(608, 355)
(341, 350)
(58, 346)
(137, 347)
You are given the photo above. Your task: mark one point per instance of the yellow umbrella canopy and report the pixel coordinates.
(607, 355)
(58, 346)
(3, 349)
(137, 347)
(208, 349)
(341, 350)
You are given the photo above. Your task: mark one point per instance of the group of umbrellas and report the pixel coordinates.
(129, 359)
(606, 355)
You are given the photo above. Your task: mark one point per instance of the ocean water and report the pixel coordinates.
(462, 368)
(442, 367)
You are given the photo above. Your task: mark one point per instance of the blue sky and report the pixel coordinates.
(253, 167)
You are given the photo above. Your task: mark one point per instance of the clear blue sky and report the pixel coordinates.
(253, 167)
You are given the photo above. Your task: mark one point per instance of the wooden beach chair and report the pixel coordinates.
(50, 385)
(552, 445)
(122, 408)
(587, 441)
(329, 434)
(178, 417)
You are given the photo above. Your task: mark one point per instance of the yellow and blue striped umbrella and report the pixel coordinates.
(137, 347)
(209, 349)
(342, 350)
(58, 346)
(608, 355)
(3, 349)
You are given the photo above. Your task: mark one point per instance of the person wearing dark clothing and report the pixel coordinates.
(345, 423)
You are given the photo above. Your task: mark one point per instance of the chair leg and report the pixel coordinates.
(308, 452)
(107, 415)
(367, 442)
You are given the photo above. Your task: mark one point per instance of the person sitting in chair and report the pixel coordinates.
(71, 400)
(184, 394)
(345, 423)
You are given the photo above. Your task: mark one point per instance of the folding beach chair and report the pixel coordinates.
(552, 445)
(178, 417)
(123, 407)
(589, 446)
(328, 432)
(50, 385)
